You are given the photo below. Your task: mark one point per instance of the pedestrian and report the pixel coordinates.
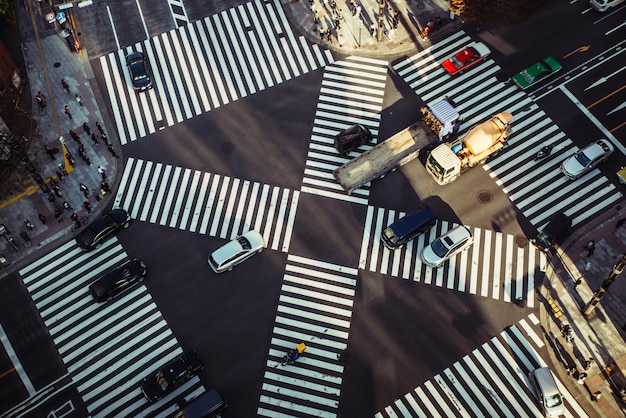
(87, 207)
(391, 34)
(67, 206)
(29, 224)
(65, 85)
(86, 128)
(316, 18)
(84, 189)
(40, 103)
(112, 151)
(68, 112)
(49, 151)
(590, 250)
(589, 363)
(74, 217)
(43, 218)
(329, 36)
(619, 223)
(60, 175)
(337, 24)
(105, 138)
(41, 99)
(62, 168)
(74, 135)
(581, 378)
(322, 33)
(94, 138)
(57, 215)
(597, 395)
(373, 29)
(95, 194)
(341, 40)
(24, 236)
(99, 127)
(79, 99)
(104, 186)
(102, 172)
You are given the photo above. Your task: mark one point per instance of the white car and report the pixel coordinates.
(587, 159)
(236, 251)
(452, 242)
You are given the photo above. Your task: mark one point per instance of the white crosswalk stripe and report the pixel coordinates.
(352, 92)
(490, 382)
(494, 266)
(315, 307)
(108, 348)
(538, 189)
(207, 203)
(206, 64)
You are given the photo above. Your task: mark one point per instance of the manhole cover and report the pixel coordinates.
(226, 147)
(521, 241)
(57, 64)
(484, 196)
(502, 77)
(420, 6)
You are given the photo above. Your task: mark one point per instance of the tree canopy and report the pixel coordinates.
(496, 12)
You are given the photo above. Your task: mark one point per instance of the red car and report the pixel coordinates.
(472, 55)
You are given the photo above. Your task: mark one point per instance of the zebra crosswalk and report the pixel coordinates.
(207, 203)
(492, 381)
(352, 92)
(206, 64)
(538, 190)
(315, 307)
(494, 266)
(107, 347)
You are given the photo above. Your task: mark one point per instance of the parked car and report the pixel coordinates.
(117, 281)
(236, 251)
(210, 404)
(468, 57)
(136, 63)
(587, 159)
(537, 72)
(452, 242)
(102, 228)
(171, 376)
(352, 138)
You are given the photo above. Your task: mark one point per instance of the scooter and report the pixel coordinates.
(293, 354)
(544, 152)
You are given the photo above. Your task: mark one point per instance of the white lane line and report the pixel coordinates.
(16, 362)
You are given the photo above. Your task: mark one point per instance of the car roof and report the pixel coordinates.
(233, 247)
(456, 234)
(597, 148)
(135, 56)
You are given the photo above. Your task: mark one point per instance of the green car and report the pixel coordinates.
(537, 72)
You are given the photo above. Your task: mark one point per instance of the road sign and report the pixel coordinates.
(50, 17)
(85, 3)
(65, 6)
(61, 17)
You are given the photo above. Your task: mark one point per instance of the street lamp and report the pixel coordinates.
(597, 295)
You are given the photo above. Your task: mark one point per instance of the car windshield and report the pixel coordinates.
(582, 159)
(245, 244)
(161, 380)
(455, 62)
(439, 248)
(527, 76)
(554, 400)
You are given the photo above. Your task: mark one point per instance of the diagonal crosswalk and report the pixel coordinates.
(315, 307)
(539, 190)
(108, 348)
(492, 381)
(494, 266)
(206, 64)
(352, 92)
(207, 203)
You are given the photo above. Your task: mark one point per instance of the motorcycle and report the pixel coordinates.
(544, 152)
(293, 354)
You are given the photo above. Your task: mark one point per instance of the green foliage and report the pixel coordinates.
(6, 10)
(496, 12)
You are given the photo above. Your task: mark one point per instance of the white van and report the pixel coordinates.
(604, 5)
(547, 392)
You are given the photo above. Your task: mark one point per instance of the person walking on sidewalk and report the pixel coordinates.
(581, 378)
(112, 151)
(67, 206)
(43, 218)
(99, 127)
(87, 207)
(102, 172)
(65, 85)
(104, 187)
(589, 363)
(105, 139)
(95, 194)
(590, 247)
(94, 138)
(620, 222)
(79, 99)
(86, 128)
(57, 216)
(84, 189)
(74, 135)
(68, 112)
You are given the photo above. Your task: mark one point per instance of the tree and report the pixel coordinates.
(496, 12)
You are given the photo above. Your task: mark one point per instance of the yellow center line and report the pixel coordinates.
(7, 372)
(607, 96)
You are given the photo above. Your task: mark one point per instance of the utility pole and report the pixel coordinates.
(597, 295)
(381, 20)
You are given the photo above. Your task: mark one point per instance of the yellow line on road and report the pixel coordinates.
(7, 372)
(607, 96)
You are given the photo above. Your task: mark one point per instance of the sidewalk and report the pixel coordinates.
(599, 335)
(47, 62)
(360, 31)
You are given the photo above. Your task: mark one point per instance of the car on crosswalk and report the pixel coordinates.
(537, 72)
(587, 159)
(467, 58)
(172, 375)
(118, 280)
(236, 251)
(102, 228)
(452, 242)
(136, 63)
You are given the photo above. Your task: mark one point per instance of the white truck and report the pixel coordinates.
(449, 160)
(438, 122)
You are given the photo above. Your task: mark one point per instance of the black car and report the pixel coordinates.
(118, 281)
(171, 376)
(352, 138)
(136, 63)
(102, 228)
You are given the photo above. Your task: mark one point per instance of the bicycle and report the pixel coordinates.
(79, 222)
